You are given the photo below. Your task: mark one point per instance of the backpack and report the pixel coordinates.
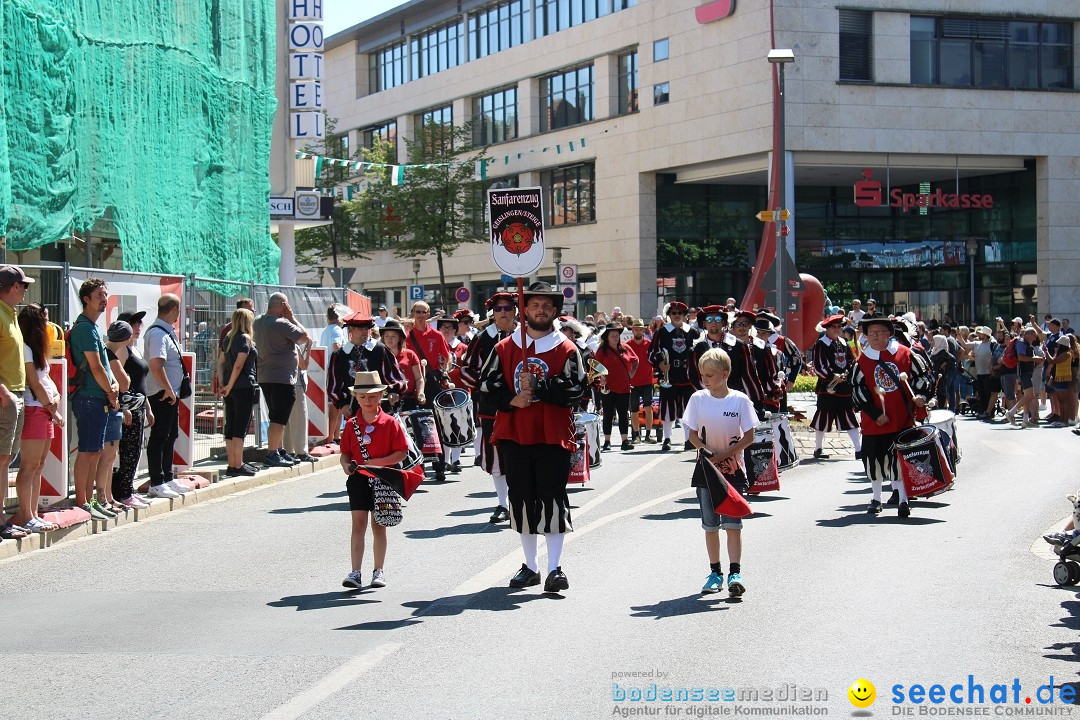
(74, 371)
(1008, 358)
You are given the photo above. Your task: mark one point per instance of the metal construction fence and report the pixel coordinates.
(207, 306)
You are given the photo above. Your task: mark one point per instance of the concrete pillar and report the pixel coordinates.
(647, 300)
(605, 86)
(405, 131)
(287, 243)
(528, 107)
(1057, 185)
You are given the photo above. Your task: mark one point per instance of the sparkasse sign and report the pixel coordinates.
(868, 193)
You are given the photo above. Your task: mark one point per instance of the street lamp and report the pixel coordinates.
(556, 255)
(780, 58)
(972, 248)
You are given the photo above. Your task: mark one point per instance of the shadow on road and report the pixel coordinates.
(381, 625)
(685, 514)
(323, 601)
(466, 513)
(330, 507)
(465, 529)
(887, 517)
(765, 498)
(335, 494)
(689, 605)
(1069, 651)
(489, 494)
(496, 599)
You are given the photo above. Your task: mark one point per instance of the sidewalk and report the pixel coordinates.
(837, 444)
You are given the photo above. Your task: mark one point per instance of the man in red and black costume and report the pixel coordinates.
(753, 370)
(362, 353)
(534, 429)
(832, 360)
(789, 359)
(465, 330)
(672, 354)
(887, 407)
(713, 320)
(503, 308)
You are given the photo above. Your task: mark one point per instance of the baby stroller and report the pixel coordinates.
(1067, 569)
(968, 399)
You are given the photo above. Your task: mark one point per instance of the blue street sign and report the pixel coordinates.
(507, 279)
(416, 292)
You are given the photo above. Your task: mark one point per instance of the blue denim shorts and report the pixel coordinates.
(96, 422)
(710, 521)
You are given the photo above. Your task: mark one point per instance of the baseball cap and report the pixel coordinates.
(11, 274)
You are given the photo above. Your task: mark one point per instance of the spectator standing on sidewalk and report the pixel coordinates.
(96, 400)
(333, 338)
(296, 432)
(240, 391)
(277, 333)
(131, 440)
(13, 286)
(163, 386)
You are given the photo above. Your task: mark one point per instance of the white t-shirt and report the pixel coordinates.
(43, 375)
(380, 321)
(725, 420)
(332, 333)
(855, 316)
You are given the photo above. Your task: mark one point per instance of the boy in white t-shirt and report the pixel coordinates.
(727, 420)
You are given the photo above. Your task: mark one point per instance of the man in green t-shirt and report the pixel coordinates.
(13, 285)
(95, 401)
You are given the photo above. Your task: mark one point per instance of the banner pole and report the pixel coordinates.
(521, 320)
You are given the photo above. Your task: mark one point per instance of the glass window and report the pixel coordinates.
(569, 194)
(628, 83)
(660, 50)
(436, 50)
(660, 94)
(978, 52)
(555, 15)
(386, 132)
(437, 122)
(567, 98)
(499, 27)
(856, 45)
(387, 68)
(495, 117)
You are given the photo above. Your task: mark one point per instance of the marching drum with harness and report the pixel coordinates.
(591, 423)
(454, 418)
(421, 425)
(760, 458)
(786, 454)
(945, 422)
(579, 459)
(924, 463)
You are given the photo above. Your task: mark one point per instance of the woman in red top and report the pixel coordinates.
(393, 336)
(373, 438)
(621, 363)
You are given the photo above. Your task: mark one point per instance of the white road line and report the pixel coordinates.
(333, 682)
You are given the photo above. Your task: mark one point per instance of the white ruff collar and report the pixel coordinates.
(876, 354)
(671, 328)
(541, 345)
(826, 339)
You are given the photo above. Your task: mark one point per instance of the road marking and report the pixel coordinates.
(333, 682)
(1007, 447)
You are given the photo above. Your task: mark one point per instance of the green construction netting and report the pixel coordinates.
(158, 109)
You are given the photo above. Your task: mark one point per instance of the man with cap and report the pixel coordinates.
(641, 384)
(465, 330)
(832, 360)
(886, 406)
(789, 359)
(13, 286)
(983, 354)
(362, 353)
(534, 429)
(503, 307)
(672, 355)
(753, 370)
(382, 316)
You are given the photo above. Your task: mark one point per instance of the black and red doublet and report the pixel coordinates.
(830, 359)
(535, 442)
(349, 359)
(472, 364)
(678, 342)
(753, 370)
(791, 363)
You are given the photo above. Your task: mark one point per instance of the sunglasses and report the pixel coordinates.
(503, 308)
(715, 318)
(676, 312)
(741, 323)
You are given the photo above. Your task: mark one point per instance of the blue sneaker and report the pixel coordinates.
(713, 584)
(735, 587)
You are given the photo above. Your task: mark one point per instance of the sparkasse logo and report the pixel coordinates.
(713, 11)
(868, 193)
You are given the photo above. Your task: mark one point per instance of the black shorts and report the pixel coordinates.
(279, 401)
(360, 495)
(1025, 381)
(641, 396)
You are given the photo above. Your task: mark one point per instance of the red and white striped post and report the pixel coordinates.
(318, 422)
(184, 449)
(54, 475)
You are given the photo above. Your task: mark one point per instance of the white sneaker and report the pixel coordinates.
(353, 580)
(378, 579)
(178, 488)
(162, 491)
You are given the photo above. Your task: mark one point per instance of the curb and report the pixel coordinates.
(227, 486)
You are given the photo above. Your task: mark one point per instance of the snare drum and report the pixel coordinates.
(760, 459)
(591, 423)
(579, 459)
(786, 454)
(923, 462)
(421, 424)
(415, 456)
(945, 422)
(454, 418)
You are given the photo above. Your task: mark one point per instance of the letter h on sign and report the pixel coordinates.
(305, 10)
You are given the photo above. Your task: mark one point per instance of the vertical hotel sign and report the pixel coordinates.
(305, 69)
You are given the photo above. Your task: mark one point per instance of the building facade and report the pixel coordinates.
(925, 147)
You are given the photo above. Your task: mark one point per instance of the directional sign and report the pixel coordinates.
(462, 294)
(416, 292)
(568, 275)
(770, 215)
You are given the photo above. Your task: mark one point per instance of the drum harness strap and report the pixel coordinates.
(899, 386)
(437, 374)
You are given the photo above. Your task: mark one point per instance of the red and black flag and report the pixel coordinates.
(403, 482)
(725, 498)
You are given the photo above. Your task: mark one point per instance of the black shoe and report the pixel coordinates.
(605, 447)
(242, 471)
(875, 507)
(305, 457)
(476, 461)
(525, 578)
(500, 515)
(456, 467)
(627, 445)
(858, 454)
(556, 581)
(894, 499)
(821, 454)
(634, 436)
(904, 511)
(687, 445)
(286, 457)
(666, 446)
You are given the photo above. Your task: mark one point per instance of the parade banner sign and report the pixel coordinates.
(517, 229)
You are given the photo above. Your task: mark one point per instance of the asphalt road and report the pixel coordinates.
(234, 608)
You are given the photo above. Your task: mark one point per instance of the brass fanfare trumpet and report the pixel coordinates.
(597, 372)
(665, 379)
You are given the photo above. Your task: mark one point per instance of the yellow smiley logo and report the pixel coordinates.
(862, 693)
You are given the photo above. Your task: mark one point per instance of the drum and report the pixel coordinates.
(579, 459)
(415, 456)
(760, 459)
(945, 422)
(454, 418)
(421, 424)
(591, 422)
(923, 462)
(786, 454)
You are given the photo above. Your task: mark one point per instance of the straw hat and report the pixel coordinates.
(367, 383)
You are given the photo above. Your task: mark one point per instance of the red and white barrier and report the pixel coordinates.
(318, 422)
(54, 476)
(184, 449)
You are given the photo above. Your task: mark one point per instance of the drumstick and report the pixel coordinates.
(903, 379)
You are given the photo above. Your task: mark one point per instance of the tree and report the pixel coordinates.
(433, 210)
